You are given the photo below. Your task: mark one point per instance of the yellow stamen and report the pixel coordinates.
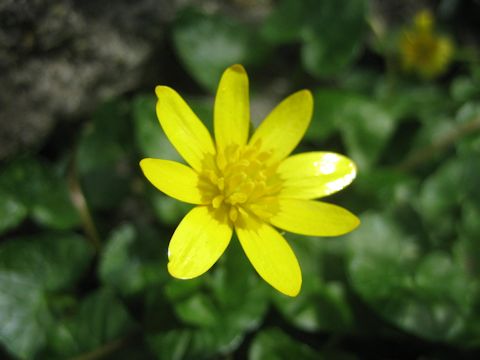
(217, 201)
(233, 214)
(238, 179)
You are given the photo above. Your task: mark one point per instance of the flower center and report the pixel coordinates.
(239, 179)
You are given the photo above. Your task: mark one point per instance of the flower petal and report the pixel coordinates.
(284, 127)
(315, 174)
(174, 179)
(270, 255)
(183, 128)
(232, 108)
(197, 243)
(313, 218)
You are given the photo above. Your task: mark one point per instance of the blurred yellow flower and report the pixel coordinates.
(423, 51)
(247, 185)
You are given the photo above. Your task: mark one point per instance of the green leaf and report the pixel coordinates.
(203, 108)
(106, 187)
(53, 207)
(24, 315)
(99, 319)
(364, 125)
(333, 36)
(366, 128)
(444, 299)
(223, 304)
(240, 294)
(406, 100)
(319, 307)
(471, 177)
(438, 277)
(152, 142)
(322, 304)
(52, 261)
(464, 88)
(468, 147)
(22, 178)
(208, 44)
(117, 266)
(386, 188)
(429, 133)
(284, 24)
(465, 252)
(322, 59)
(30, 270)
(234, 295)
(103, 156)
(439, 194)
(468, 112)
(193, 343)
(273, 344)
(465, 260)
(12, 211)
(172, 345)
(149, 136)
(327, 113)
(331, 32)
(106, 139)
(39, 189)
(132, 260)
(381, 257)
(428, 294)
(168, 210)
(468, 155)
(362, 81)
(198, 310)
(470, 225)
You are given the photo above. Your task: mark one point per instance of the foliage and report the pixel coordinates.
(409, 275)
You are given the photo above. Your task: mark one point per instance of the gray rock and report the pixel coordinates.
(59, 59)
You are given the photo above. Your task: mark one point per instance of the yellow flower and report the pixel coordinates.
(423, 51)
(247, 185)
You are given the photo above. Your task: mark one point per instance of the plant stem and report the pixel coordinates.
(424, 154)
(80, 203)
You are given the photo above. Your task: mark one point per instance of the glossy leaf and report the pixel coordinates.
(103, 156)
(39, 190)
(221, 304)
(438, 196)
(208, 44)
(331, 32)
(168, 211)
(327, 114)
(131, 261)
(322, 305)
(149, 137)
(334, 37)
(192, 343)
(388, 271)
(274, 344)
(366, 128)
(364, 125)
(99, 320)
(12, 211)
(284, 24)
(30, 269)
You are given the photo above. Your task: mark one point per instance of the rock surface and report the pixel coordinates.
(59, 59)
